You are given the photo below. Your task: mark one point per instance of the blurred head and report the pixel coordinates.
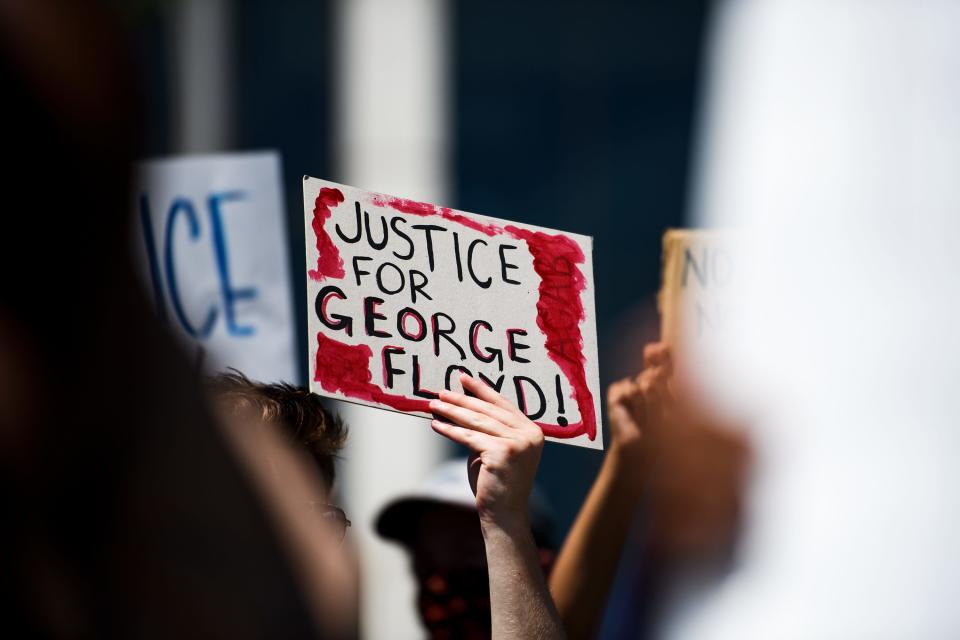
(440, 529)
(287, 443)
(295, 412)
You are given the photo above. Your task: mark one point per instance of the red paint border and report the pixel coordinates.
(329, 262)
(560, 311)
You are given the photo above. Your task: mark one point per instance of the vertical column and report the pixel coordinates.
(202, 50)
(391, 136)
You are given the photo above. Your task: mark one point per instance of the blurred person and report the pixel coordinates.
(505, 450)
(295, 412)
(832, 137)
(691, 471)
(127, 512)
(289, 442)
(588, 560)
(440, 529)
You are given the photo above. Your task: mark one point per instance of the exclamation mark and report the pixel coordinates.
(560, 419)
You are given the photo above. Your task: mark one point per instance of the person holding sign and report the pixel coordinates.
(587, 563)
(691, 468)
(505, 450)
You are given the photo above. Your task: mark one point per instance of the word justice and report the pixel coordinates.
(438, 242)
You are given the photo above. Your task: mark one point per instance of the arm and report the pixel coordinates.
(587, 563)
(505, 448)
(520, 604)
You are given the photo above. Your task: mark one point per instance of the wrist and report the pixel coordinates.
(625, 466)
(509, 522)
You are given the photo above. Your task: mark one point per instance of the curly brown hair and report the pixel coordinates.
(300, 413)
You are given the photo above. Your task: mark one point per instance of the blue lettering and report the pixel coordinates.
(147, 225)
(183, 205)
(230, 294)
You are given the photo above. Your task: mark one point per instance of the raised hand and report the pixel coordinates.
(637, 405)
(637, 410)
(505, 443)
(506, 449)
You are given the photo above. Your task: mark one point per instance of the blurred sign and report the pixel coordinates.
(696, 268)
(404, 295)
(211, 235)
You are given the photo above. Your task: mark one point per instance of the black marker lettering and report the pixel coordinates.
(561, 420)
(417, 287)
(491, 354)
(427, 230)
(688, 261)
(484, 284)
(439, 332)
(334, 321)
(356, 238)
(417, 391)
(380, 283)
(388, 369)
(513, 346)
(456, 254)
(504, 265)
(522, 399)
(394, 222)
(450, 370)
(402, 324)
(496, 386)
(357, 272)
(370, 316)
(383, 226)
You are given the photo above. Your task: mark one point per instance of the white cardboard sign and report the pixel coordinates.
(404, 295)
(698, 267)
(211, 244)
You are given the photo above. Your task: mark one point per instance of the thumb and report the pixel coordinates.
(619, 413)
(473, 470)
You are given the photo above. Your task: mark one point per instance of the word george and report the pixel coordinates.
(412, 326)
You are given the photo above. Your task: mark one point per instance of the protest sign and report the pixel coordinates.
(697, 267)
(211, 244)
(404, 295)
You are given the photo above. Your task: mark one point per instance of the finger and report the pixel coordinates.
(476, 404)
(618, 413)
(655, 354)
(639, 397)
(473, 440)
(654, 380)
(651, 386)
(470, 419)
(484, 392)
(619, 390)
(645, 380)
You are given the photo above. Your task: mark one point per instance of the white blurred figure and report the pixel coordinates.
(832, 142)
